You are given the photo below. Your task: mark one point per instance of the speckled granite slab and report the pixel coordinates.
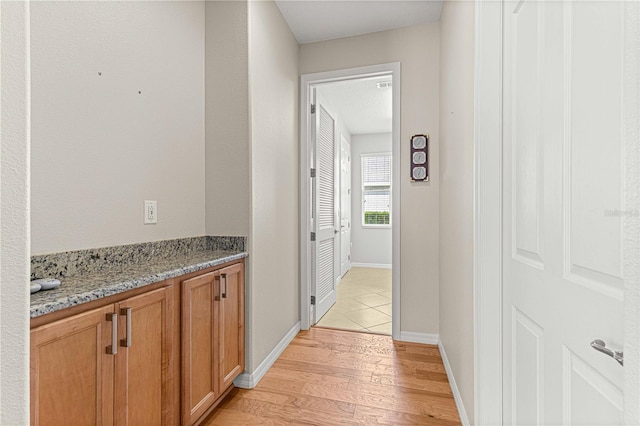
(81, 262)
(227, 243)
(88, 275)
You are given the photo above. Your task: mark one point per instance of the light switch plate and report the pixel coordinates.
(150, 212)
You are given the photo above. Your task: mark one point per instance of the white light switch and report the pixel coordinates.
(150, 212)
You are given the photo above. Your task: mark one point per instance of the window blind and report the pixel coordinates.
(377, 199)
(376, 189)
(376, 170)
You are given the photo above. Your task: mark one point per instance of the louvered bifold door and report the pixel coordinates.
(325, 211)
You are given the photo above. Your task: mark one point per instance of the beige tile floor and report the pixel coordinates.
(363, 302)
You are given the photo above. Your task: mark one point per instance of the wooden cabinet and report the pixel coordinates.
(71, 371)
(231, 322)
(212, 338)
(83, 373)
(145, 360)
(117, 361)
(200, 384)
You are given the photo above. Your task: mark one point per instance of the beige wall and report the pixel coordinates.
(273, 240)
(456, 193)
(14, 214)
(227, 187)
(99, 147)
(417, 49)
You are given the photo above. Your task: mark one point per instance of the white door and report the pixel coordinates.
(563, 165)
(325, 210)
(345, 206)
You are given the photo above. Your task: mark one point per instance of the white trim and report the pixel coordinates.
(487, 214)
(631, 247)
(306, 82)
(250, 380)
(424, 338)
(371, 265)
(464, 419)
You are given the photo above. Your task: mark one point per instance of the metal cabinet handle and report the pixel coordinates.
(224, 295)
(601, 346)
(219, 288)
(113, 348)
(126, 342)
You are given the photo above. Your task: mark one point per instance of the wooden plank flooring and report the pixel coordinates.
(331, 377)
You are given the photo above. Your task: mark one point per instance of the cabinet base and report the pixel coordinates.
(214, 406)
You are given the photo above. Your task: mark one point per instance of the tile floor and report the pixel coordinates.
(363, 302)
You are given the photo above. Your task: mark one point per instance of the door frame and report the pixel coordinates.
(307, 81)
(342, 180)
(487, 269)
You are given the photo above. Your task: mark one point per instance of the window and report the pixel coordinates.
(376, 190)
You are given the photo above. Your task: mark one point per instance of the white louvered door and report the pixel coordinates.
(325, 217)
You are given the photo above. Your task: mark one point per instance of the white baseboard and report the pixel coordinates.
(371, 265)
(454, 387)
(250, 380)
(426, 338)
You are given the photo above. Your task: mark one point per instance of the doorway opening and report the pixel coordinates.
(350, 216)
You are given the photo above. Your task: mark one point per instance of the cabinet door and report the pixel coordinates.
(144, 364)
(200, 376)
(231, 322)
(72, 370)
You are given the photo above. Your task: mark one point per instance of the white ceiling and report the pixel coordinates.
(362, 107)
(318, 20)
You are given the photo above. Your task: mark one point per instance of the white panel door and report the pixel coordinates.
(564, 149)
(325, 211)
(345, 205)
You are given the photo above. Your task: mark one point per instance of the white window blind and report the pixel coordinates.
(376, 189)
(376, 170)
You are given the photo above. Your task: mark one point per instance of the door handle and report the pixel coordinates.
(126, 342)
(601, 346)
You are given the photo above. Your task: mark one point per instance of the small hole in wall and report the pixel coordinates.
(99, 73)
(139, 92)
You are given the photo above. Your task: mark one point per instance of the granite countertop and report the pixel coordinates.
(119, 278)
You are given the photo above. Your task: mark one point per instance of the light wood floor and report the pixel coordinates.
(329, 377)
